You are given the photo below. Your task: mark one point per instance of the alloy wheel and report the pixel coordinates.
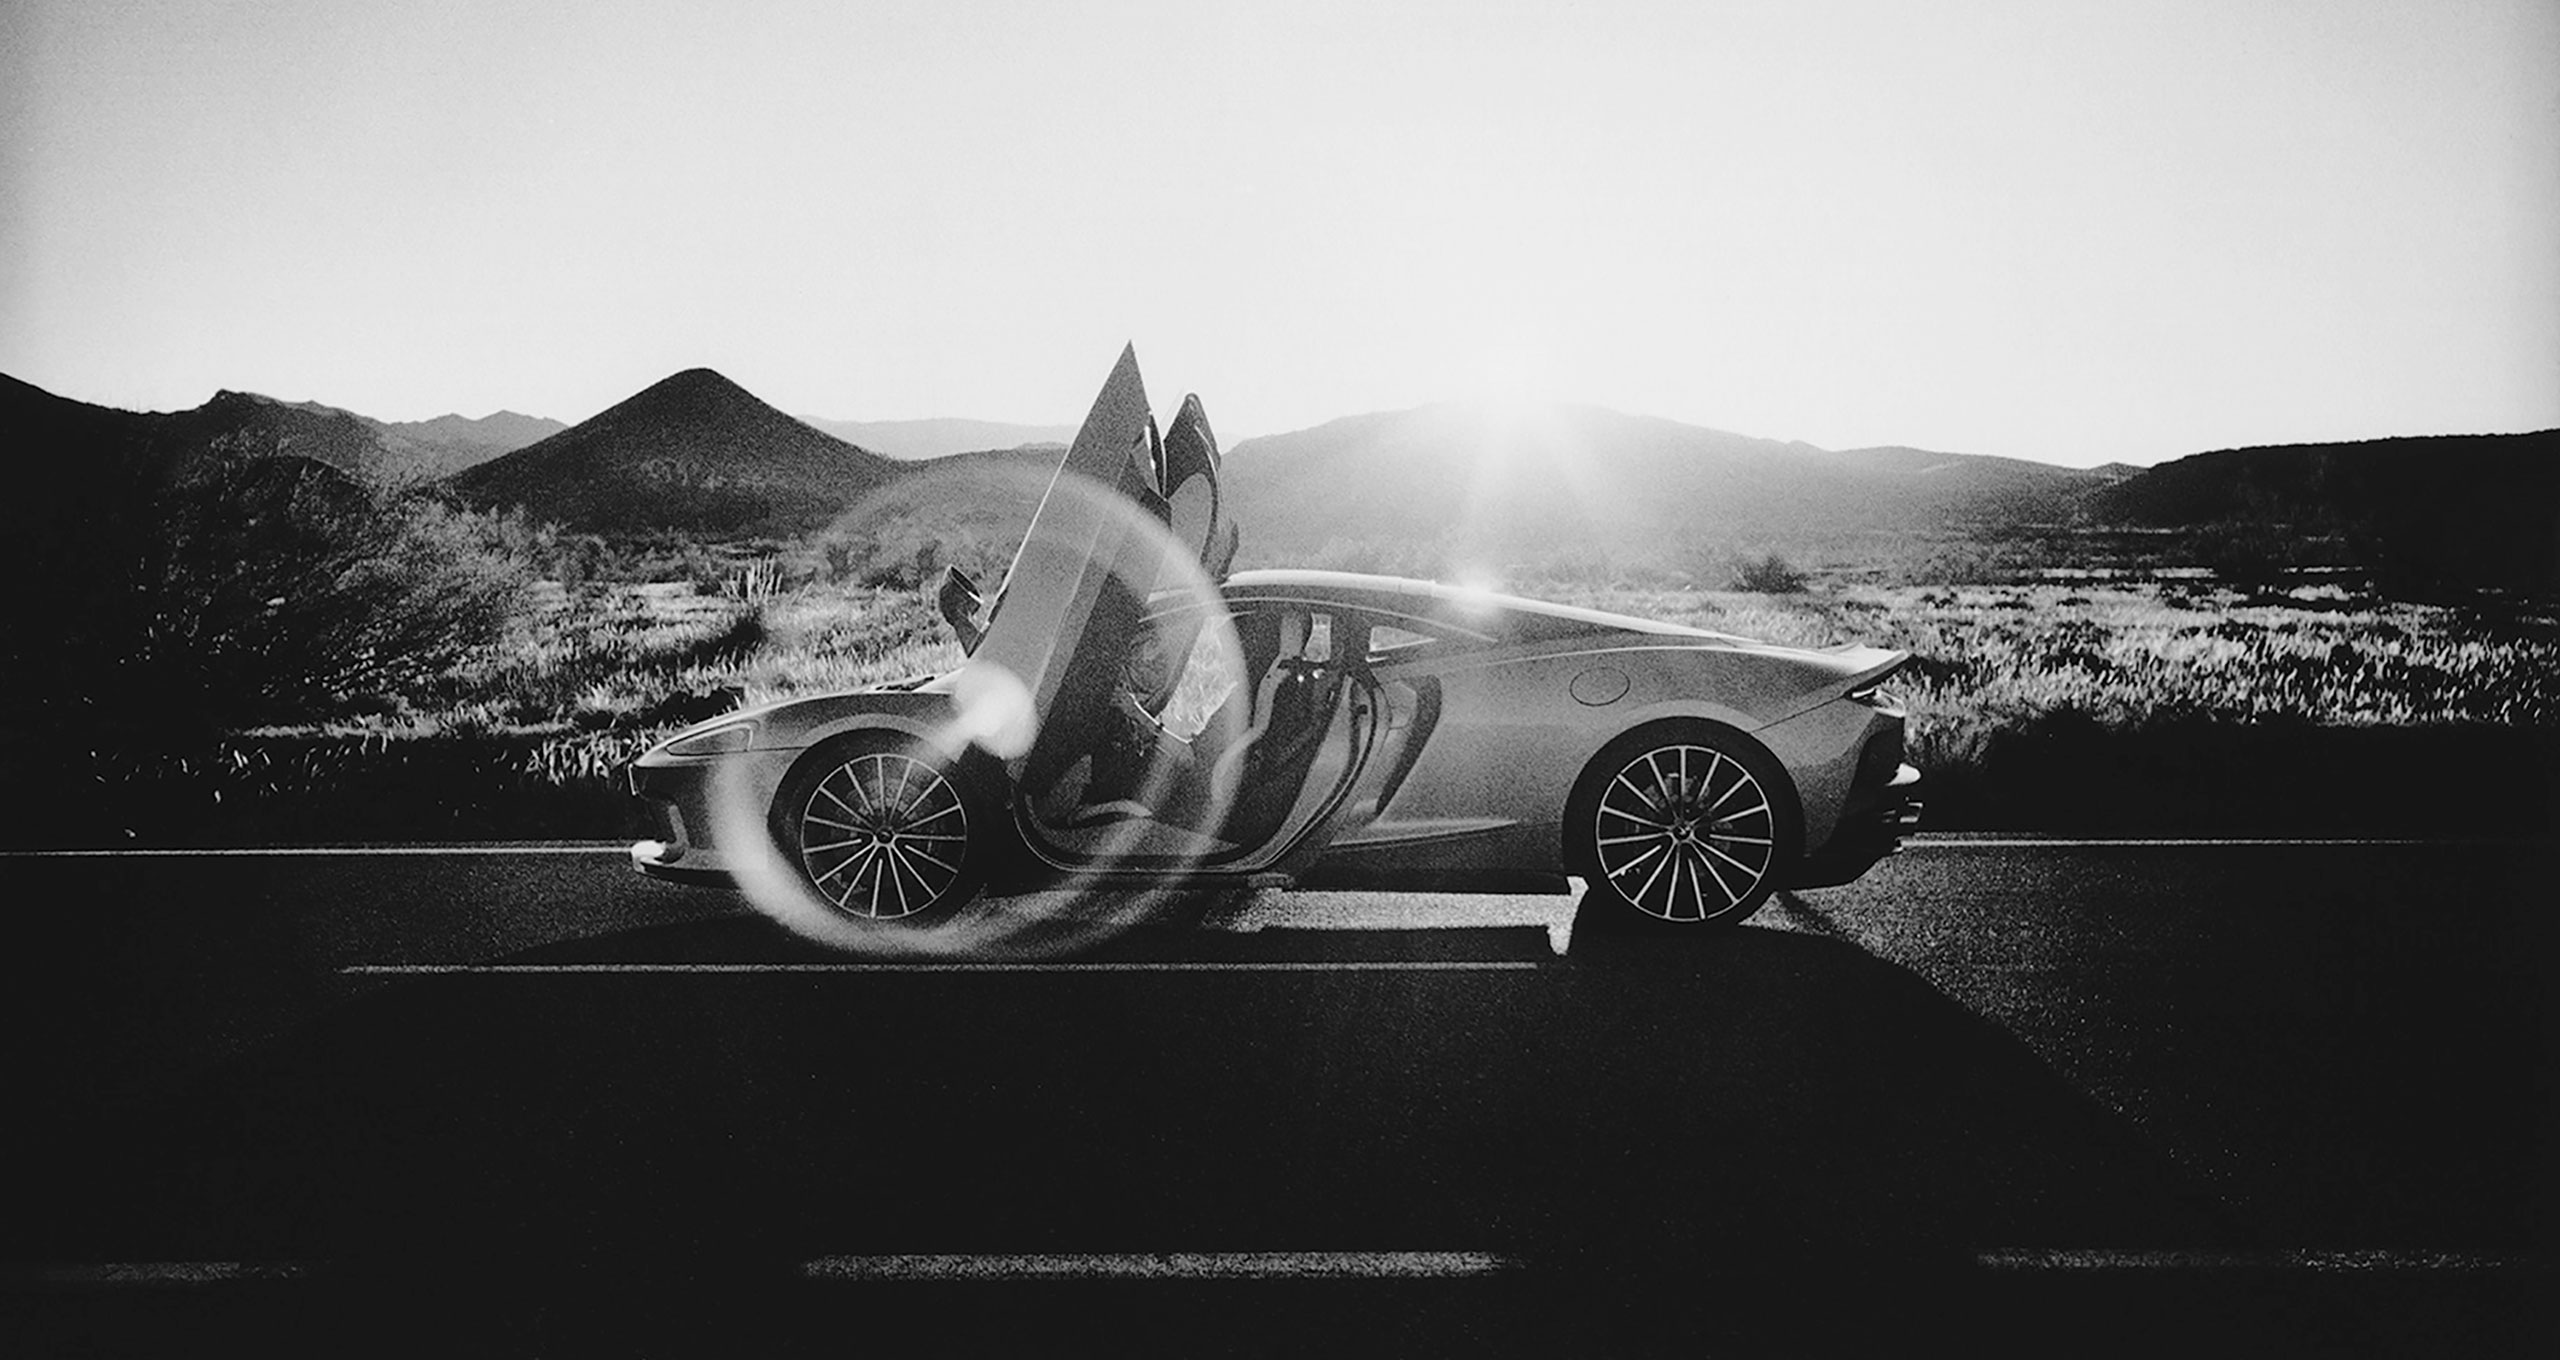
(1685, 833)
(884, 836)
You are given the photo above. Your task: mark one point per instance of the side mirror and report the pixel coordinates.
(960, 603)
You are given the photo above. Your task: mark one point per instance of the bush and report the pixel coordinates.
(250, 592)
(1769, 575)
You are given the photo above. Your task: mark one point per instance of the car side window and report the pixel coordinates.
(1209, 675)
(1386, 640)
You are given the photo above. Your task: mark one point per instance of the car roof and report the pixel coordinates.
(1478, 611)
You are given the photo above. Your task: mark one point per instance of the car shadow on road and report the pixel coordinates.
(1762, 1108)
(1754, 1092)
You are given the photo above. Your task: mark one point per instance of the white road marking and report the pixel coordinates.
(1996, 841)
(619, 848)
(1092, 966)
(162, 1274)
(2310, 1260)
(1194, 1265)
(1341, 1265)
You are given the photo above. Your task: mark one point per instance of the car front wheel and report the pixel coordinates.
(884, 829)
(1685, 826)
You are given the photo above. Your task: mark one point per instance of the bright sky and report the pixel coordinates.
(2075, 232)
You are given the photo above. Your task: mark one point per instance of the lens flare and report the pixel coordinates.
(992, 710)
(1073, 865)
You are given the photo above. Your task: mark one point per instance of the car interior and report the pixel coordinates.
(1214, 759)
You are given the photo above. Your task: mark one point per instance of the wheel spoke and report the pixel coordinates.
(1671, 888)
(848, 862)
(898, 881)
(1650, 878)
(1730, 896)
(1738, 864)
(1668, 801)
(849, 809)
(857, 863)
(951, 869)
(1697, 884)
(1651, 809)
(894, 800)
(831, 845)
(1632, 865)
(1752, 811)
(852, 773)
(1639, 819)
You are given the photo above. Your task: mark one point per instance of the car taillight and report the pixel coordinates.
(1875, 696)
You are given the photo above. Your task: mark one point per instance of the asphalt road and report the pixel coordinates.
(2035, 1093)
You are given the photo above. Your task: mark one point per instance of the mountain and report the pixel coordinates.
(694, 452)
(472, 441)
(2436, 510)
(913, 439)
(237, 425)
(1541, 478)
(233, 427)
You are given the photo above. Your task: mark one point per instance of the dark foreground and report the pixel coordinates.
(2271, 1101)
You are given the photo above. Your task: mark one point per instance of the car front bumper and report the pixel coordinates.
(676, 797)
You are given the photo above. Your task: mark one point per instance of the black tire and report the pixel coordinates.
(885, 828)
(1681, 826)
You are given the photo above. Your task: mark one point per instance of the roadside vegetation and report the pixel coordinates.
(483, 677)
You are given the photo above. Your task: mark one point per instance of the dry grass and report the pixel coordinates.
(590, 676)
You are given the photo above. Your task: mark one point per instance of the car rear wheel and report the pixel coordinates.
(884, 829)
(1684, 826)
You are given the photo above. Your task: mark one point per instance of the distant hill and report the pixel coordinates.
(967, 508)
(464, 441)
(2443, 510)
(235, 425)
(694, 452)
(913, 439)
(1561, 476)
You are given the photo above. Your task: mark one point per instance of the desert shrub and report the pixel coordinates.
(1769, 575)
(905, 551)
(251, 592)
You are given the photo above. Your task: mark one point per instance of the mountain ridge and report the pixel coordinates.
(693, 451)
(939, 436)
(1538, 478)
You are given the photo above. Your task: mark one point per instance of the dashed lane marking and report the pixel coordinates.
(1341, 1265)
(1197, 1265)
(325, 851)
(2315, 1261)
(619, 849)
(1089, 966)
(1995, 841)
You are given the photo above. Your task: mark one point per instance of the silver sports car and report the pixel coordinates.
(1133, 712)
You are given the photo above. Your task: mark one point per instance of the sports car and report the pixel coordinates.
(1131, 711)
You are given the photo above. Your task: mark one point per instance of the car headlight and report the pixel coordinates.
(716, 742)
